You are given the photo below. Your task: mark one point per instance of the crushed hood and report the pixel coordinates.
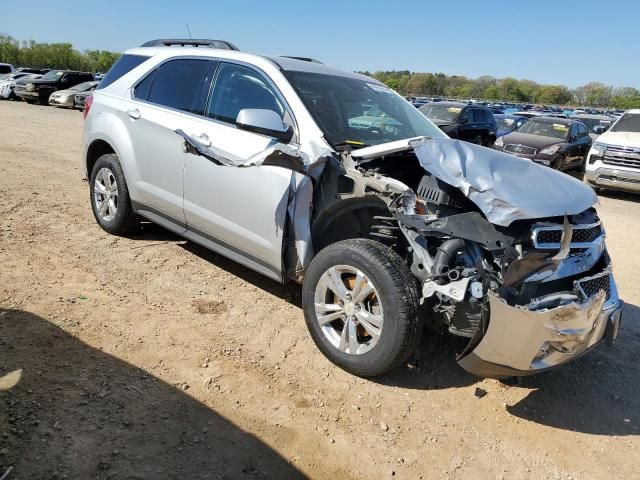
(505, 188)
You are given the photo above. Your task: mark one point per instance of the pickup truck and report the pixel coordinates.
(614, 159)
(40, 89)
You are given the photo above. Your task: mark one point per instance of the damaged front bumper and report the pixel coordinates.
(524, 340)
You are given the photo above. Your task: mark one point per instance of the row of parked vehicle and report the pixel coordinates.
(59, 88)
(553, 139)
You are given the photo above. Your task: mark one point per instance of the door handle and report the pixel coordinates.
(203, 139)
(134, 113)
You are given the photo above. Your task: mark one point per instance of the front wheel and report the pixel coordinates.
(360, 304)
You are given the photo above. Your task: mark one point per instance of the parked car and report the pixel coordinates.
(8, 83)
(528, 114)
(255, 157)
(40, 89)
(508, 123)
(472, 123)
(596, 124)
(614, 160)
(66, 98)
(6, 68)
(558, 143)
(37, 71)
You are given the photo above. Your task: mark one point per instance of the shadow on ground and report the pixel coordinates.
(68, 410)
(597, 394)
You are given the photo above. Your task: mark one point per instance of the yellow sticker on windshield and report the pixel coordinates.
(559, 126)
(454, 109)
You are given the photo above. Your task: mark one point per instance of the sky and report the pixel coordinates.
(566, 42)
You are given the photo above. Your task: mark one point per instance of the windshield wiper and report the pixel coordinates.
(349, 145)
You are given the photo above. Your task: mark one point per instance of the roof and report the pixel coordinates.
(283, 63)
(591, 116)
(558, 120)
(450, 104)
(507, 115)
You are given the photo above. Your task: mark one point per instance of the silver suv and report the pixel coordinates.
(303, 172)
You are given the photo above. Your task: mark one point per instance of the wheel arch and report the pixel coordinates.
(345, 219)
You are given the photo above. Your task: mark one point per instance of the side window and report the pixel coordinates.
(582, 130)
(478, 116)
(237, 87)
(141, 91)
(177, 84)
(123, 65)
(574, 131)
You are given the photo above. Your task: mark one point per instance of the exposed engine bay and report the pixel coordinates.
(529, 292)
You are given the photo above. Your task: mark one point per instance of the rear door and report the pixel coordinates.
(239, 211)
(467, 128)
(167, 99)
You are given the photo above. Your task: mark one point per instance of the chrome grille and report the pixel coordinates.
(521, 149)
(582, 236)
(589, 286)
(621, 156)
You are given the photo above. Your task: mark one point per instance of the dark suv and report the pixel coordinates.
(472, 123)
(558, 143)
(41, 88)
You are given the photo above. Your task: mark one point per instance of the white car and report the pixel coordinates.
(614, 159)
(8, 83)
(329, 178)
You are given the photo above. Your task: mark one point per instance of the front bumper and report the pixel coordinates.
(614, 178)
(61, 101)
(25, 94)
(519, 341)
(546, 160)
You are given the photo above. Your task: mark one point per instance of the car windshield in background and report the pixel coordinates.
(83, 86)
(52, 75)
(357, 112)
(447, 113)
(629, 122)
(545, 129)
(506, 123)
(590, 122)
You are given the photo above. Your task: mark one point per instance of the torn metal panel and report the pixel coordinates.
(506, 188)
(522, 340)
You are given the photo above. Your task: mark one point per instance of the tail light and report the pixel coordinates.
(87, 105)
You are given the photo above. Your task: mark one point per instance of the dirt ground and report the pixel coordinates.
(150, 357)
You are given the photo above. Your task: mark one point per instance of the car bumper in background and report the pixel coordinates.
(615, 178)
(61, 101)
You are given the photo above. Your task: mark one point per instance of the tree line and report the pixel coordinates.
(64, 56)
(593, 94)
(54, 55)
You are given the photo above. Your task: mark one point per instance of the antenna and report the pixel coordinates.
(188, 30)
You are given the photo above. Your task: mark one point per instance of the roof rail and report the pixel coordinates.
(304, 59)
(190, 42)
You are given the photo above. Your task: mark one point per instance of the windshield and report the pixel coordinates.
(83, 86)
(357, 112)
(545, 129)
(52, 75)
(438, 111)
(506, 123)
(629, 122)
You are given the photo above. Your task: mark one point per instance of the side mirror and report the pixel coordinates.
(265, 122)
(599, 129)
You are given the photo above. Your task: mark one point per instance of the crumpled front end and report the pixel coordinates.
(509, 255)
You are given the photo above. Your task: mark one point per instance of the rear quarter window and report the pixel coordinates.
(124, 65)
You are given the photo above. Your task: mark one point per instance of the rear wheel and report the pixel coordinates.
(110, 200)
(43, 98)
(360, 304)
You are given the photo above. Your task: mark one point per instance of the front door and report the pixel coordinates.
(241, 210)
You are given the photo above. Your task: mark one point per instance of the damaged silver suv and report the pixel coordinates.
(300, 171)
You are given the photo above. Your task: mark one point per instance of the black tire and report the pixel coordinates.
(124, 220)
(398, 292)
(43, 98)
(488, 142)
